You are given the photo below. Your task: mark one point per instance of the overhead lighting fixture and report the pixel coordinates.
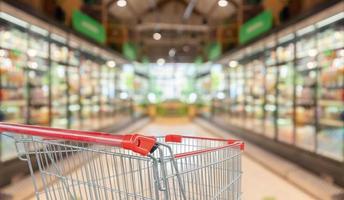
(160, 61)
(222, 3)
(233, 63)
(121, 3)
(157, 36)
(172, 52)
(111, 63)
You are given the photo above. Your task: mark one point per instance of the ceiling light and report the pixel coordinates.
(111, 63)
(157, 36)
(222, 3)
(121, 3)
(233, 63)
(172, 52)
(160, 61)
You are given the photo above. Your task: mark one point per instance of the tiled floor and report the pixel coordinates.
(258, 182)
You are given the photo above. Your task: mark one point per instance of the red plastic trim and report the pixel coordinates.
(241, 144)
(135, 142)
(173, 138)
(178, 138)
(138, 143)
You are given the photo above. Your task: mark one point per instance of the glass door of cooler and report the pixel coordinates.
(38, 79)
(258, 94)
(12, 88)
(241, 96)
(95, 81)
(249, 106)
(305, 88)
(13, 92)
(331, 90)
(112, 92)
(74, 107)
(86, 92)
(89, 88)
(270, 101)
(285, 113)
(285, 91)
(233, 96)
(59, 87)
(59, 95)
(106, 109)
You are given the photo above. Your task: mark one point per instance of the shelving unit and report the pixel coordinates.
(285, 89)
(330, 93)
(59, 81)
(293, 90)
(52, 77)
(306, 72)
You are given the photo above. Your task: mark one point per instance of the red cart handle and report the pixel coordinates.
(178, 139)
(135, 142)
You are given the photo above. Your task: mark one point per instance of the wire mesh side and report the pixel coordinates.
(214, 174)
(83, 171)
(211, 175)
(191, 144)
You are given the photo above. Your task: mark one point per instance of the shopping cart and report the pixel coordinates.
(91, 165)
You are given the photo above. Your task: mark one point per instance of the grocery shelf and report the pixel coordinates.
(293, 90)
(44, 80)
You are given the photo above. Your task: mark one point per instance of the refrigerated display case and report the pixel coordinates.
(12, 85)
(302, 75)
(306, 71)
(331, 90)
(74, 108)
(59, 82)
(13, 93)
(285, 89)
(270, 107)
(248, 90)
(234, 91)
(107, 94)
(40, 81)
(37, 69)
(90, 92)
(258, 94)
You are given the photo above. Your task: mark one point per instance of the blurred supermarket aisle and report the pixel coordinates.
(258, 182)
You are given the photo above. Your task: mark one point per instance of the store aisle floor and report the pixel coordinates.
(258, 182)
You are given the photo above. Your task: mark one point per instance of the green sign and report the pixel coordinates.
(255, 26)
(88, 26)
(214, 50)
(130, 51)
